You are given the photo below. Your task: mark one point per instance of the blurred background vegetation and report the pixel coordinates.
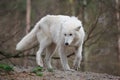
(101, 20)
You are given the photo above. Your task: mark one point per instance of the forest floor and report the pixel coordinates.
(55, 75)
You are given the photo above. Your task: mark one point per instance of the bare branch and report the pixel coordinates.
(9, 38)
(93, 28)
(20, 54)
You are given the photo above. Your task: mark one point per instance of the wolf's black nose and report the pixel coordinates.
(66, 44)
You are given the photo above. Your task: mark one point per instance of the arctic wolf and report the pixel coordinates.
(63, 31)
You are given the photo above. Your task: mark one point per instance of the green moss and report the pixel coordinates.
(50, 70)
(6, 67)
(38, 71)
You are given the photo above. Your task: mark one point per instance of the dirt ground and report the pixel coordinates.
(56, 75)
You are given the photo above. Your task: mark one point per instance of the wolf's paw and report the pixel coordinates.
(40, 64)
(76, 68)
(72, 70)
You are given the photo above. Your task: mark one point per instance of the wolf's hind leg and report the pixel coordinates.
(43, 44)
(49, 53)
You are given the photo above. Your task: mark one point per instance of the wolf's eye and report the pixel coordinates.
(65, 34)
(70, 34)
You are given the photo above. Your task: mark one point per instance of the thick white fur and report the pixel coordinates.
(63, 31)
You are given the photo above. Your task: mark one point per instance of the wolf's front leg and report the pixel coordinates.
(63, 58)
(78, 58)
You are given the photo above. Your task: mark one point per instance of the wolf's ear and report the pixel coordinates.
(78, 28)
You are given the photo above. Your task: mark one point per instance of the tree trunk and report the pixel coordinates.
(84, 54)
(72, 3)
(117, 6)
(28, 14)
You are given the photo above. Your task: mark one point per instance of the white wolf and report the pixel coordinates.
(59, 30)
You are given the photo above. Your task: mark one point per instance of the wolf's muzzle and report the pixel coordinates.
(66, 44)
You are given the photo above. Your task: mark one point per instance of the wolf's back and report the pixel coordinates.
(29, 40)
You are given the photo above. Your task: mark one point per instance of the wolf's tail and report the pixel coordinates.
(29, 40)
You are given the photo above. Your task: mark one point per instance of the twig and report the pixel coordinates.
(93, 28)
(12, 36)
(19, 55)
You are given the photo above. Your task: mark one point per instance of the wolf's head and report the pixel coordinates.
(70, 30)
